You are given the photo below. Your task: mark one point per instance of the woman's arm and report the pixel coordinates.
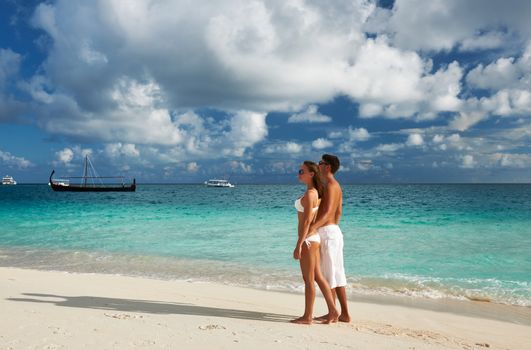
(305, 221)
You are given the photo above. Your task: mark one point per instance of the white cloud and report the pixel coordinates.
(91, 56)
(322, 143)
(446, 24)
(489, 40)
(179, 83)
(241, 166)
(438, 138)
(389, 147)
(310, 115)
(118, 149)
(192, 167)
(359, 134)
(9, 160)
(368, 110)
(65, 155)
(288, 147)
(468, 161)
(509, 160)
(495, 75)
(10, 107)
(509, 81)
(121, 71)
(335, 134)
(463, 120)
(9, 65)
(364, 165)
(247, 129)
(292, 147)
(415, 139)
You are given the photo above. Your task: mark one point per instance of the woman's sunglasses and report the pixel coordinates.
(301, 171)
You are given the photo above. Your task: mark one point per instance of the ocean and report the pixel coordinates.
(462, 241)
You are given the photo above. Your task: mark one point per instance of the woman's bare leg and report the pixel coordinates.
(307, 263)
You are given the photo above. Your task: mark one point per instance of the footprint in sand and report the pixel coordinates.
(211, 327)
(123, 316)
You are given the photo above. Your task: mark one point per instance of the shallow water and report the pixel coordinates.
(458, 241)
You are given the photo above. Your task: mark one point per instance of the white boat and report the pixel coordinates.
(8, 180)
(218, 183)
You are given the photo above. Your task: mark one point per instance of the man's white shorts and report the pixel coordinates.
(332, 255)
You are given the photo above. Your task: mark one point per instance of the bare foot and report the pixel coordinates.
(344, 318)
(321, 318)
(331, 317)
(302, 320)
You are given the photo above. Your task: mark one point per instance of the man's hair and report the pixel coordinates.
(331, 160)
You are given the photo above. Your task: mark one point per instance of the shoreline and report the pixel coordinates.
(399, 291)
(92, 310)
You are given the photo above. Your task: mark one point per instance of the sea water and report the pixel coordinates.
(432, 241)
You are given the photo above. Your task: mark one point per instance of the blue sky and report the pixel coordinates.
(403, 91)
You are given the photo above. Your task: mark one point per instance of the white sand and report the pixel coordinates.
(57, 310)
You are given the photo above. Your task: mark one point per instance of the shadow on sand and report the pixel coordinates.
(149, 307)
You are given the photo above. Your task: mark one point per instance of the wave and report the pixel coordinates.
(280, 279)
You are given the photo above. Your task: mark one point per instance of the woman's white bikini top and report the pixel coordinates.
(300, 208)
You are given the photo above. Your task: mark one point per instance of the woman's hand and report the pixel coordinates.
(297, 252)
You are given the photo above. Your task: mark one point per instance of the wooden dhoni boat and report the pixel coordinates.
(88, 183)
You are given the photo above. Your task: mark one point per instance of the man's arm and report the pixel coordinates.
(339, 210)
(332, 192)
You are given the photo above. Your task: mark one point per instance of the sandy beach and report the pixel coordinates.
(59, 310)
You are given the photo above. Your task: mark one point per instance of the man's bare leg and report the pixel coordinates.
(330, 297)
(325, 317)
(342, 297)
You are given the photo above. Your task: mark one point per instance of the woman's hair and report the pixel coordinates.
(316, 178)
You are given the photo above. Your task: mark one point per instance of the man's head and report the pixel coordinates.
(328, 160)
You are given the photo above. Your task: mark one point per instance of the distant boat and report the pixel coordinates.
(88, 183)
(8, 180)
(218, 183)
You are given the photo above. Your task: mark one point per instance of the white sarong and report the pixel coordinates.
(332, 255)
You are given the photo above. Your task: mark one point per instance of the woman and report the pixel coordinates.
(307, 248)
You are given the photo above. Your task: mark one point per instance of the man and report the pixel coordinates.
(326, 224)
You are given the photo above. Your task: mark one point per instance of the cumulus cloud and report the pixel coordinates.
(496, 75)
(121, 71)
(335, 134)
(321, 143)
(506, 73)
(468, 161)
(192, 167)
(10, 106)
(364, 165)
(9, 65)
(464, 120)
(474, 24)
(415, 140)
(172, 83)
(389, 147)
(246, 129)
(241, 167)
(11, 161)
(65, 155)
(287, 147)
(359, 134)
(310, 115)
(509, 160)
(118, 149)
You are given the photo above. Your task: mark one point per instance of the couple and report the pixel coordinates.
(319, 248)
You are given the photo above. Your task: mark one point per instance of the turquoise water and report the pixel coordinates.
(435, 241)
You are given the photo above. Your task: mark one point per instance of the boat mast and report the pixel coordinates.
(85, 170)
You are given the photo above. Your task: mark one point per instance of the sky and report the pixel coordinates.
(179, 91)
